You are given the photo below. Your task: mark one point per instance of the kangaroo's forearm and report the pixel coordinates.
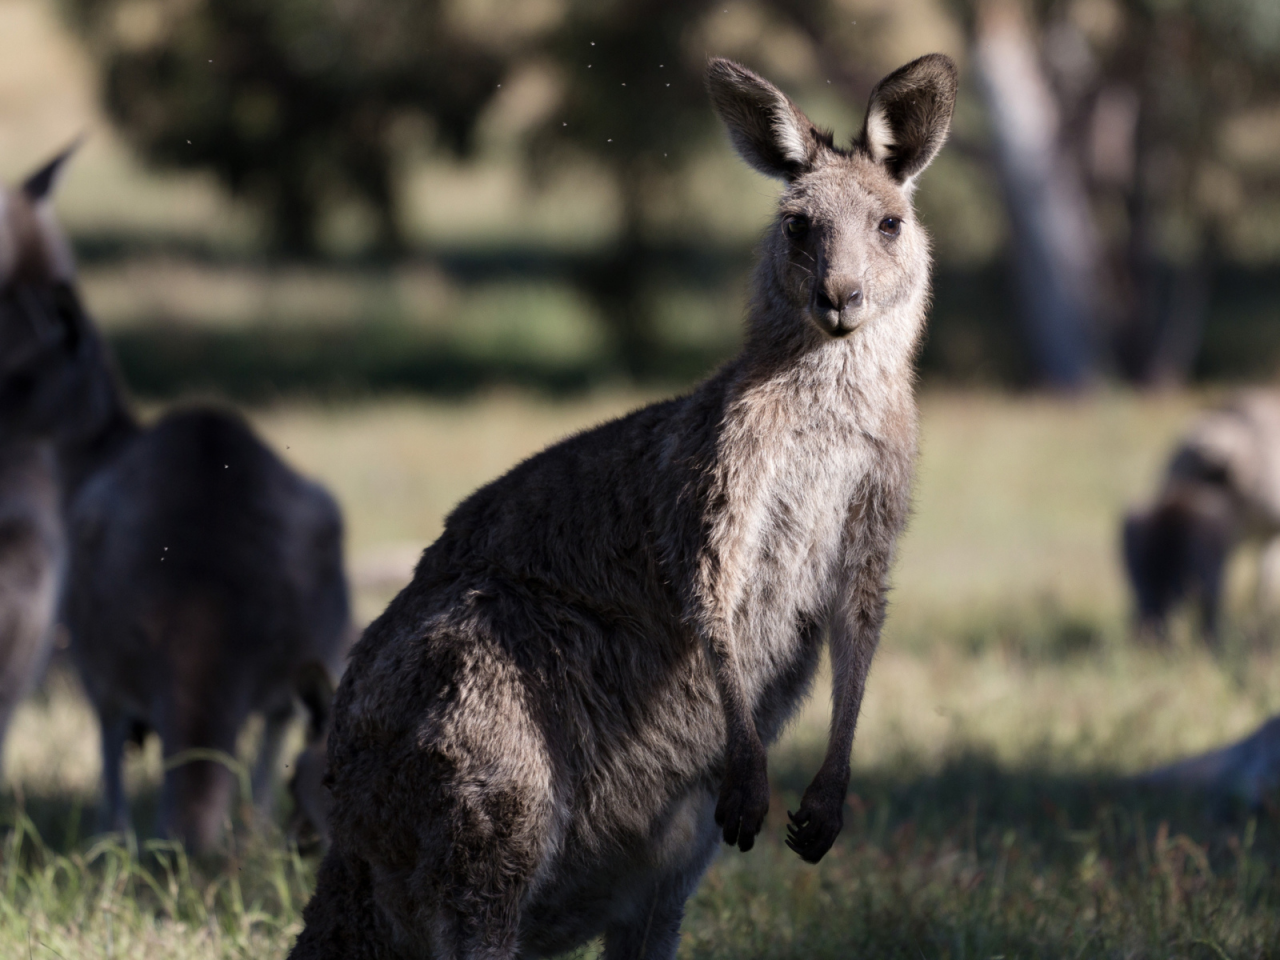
(744, 791)
(741, 735)
(853, 644)
(855, 635)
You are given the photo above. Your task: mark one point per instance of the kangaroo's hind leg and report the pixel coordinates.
(652, 930)
(116, 727)
(274, 727)
(452, 816)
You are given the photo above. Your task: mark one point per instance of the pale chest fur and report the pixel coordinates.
(796, 461)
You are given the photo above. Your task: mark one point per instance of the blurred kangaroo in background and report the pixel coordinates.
(202, 570)
(309, 824)
(1221, 488)
(31, 539)
(546, 733)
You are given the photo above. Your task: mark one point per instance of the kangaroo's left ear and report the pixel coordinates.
(39, 186)
(39, 245)
(909, 115)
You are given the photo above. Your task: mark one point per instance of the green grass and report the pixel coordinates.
(990, 813)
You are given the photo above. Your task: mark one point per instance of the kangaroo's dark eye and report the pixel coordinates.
(891, 226)
(795, 227)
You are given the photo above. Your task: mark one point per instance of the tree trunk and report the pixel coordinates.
(1055, 249)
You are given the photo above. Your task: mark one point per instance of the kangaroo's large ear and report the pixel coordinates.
(40, 184)
(769, 131)
(40, 244)
(909, 115)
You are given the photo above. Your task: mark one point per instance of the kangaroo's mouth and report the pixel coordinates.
(836, 324)
(838, 309)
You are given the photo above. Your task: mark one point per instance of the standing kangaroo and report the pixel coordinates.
(203, 572)
(31, 540)
(543, 736)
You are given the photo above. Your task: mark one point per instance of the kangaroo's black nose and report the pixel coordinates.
(839, 298)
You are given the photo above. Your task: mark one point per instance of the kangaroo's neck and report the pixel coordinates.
(869, 369)
(103, 431)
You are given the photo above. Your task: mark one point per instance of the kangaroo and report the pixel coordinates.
(542, 737)
(1221, 489)
(31, 537)
(202, 570)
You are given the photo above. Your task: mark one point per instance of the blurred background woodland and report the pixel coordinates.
(366, 195)
(417, 240)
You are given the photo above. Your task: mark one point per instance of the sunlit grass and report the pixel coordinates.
(990, 810)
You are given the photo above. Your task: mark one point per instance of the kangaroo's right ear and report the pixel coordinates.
(769, 131)
(909, 115)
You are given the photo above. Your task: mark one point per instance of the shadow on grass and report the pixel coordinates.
(975, 801)
(65, 822)
(973, 860)
(976, 860)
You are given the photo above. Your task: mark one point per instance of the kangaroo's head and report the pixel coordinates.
(845, 249)
(50, 355)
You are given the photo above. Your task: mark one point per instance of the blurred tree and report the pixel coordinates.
(1055, 249)
(1128, 103)
(292, 103)
(634, 101)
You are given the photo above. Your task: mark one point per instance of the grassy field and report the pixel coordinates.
(989, 815)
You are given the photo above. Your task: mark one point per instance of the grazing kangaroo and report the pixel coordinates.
(202, 570)
(1221, 489)
(31, 540)
(543, 736)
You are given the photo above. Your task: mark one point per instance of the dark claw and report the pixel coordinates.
(813, 830)
(743, 803)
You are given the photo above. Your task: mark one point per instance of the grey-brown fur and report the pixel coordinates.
(545, 735)
(1221, 488)
(202, 570)
(31, 539)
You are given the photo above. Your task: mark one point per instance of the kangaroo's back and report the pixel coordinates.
(199, 507)
(205, 572)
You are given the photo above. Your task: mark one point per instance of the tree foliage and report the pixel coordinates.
(299, 106)
(1151, 96)
(292, 103)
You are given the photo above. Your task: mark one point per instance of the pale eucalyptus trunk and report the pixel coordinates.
(1055, 249)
